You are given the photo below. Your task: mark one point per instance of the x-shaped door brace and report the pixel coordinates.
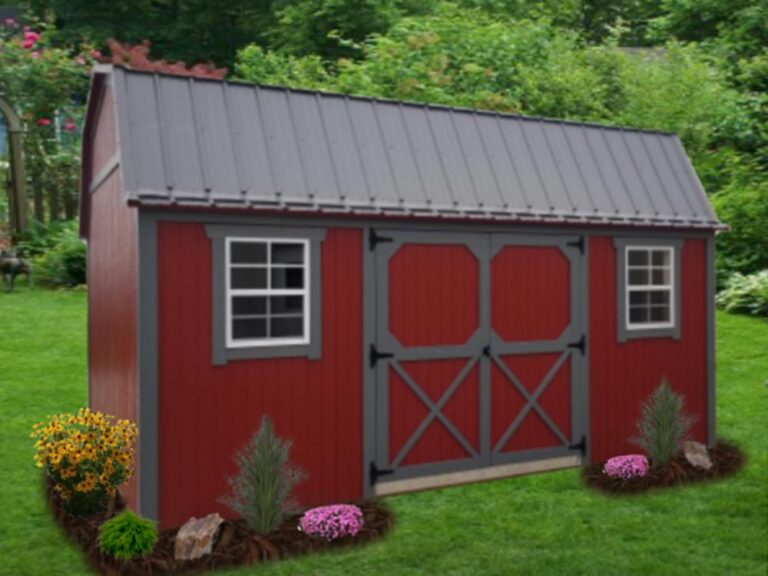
(435, 410)
(531, 400)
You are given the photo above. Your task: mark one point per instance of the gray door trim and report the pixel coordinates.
(531, 400)
(376, 397)
(477, 244)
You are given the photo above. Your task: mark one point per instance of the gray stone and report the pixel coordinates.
(697, 454)
(195, 539)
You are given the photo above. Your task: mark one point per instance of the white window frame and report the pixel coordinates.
(670, 288)
(266, 292)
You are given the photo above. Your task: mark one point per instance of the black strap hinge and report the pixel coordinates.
(581, 344)
(374, 239)
(577, 244)
(374, 355)
(374, 472)
(581, 446)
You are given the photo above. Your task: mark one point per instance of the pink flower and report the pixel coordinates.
(43, 122)
(11, 23)
(80, 60)
(35, 54)
(627, 466)
(30, 39)
(331, 522)
(69, 125)
(96, 54)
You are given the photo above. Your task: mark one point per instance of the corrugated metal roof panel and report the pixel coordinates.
(207, 142)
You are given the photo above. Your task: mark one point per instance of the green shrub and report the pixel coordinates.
(57, 253)
(744, 248)
(662, 426)
(745, 293)
(127, 536)
(262, 491)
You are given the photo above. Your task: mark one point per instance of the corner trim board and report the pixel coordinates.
(147, 347)
(711, 334)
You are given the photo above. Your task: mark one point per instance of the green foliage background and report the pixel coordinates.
(695, 67)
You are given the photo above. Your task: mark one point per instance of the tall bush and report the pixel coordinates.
(262, 490)
(662, 426)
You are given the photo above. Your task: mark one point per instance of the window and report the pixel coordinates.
(650, 287)
(267, 291)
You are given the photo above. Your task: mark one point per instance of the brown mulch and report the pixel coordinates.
(727, 459)
(236, 544)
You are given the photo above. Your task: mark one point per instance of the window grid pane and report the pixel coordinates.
(270, 305)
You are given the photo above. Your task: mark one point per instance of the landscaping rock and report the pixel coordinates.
(195, 539)
(697, 454)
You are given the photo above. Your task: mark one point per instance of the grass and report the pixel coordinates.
(542, 524)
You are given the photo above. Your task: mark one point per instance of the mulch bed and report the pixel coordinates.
(727, 459)
(236, 544)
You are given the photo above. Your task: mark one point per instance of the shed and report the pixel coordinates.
(418, 296)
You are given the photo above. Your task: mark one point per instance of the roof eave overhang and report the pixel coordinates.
(272, 208)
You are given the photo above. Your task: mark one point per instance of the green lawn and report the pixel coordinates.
(533, 525)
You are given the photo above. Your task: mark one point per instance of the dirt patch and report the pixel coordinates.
(236, 545)
(727, 459)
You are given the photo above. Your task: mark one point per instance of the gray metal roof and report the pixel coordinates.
(190, 141)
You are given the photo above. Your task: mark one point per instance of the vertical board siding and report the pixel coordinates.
(112, 365)
(622, 375)
(530, 293)
(433, 295)
(208, 412)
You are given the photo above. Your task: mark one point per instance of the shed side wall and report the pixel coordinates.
(112, 377)
(206, 412)
(622, 375)
(112, 307)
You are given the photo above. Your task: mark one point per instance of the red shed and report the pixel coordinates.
(417, 295)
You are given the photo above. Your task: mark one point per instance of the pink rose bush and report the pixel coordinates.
(332, 522)
(30, 38)
(627, 466)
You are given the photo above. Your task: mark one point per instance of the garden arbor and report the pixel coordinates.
(17, 191)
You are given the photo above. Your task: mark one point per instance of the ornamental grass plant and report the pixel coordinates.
(85, 456)
(262, 491)
(663, 425)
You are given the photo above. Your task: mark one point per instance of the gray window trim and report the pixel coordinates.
(218, 233)
(622, 332)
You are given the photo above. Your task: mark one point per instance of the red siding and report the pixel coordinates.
(208, 412)
(112, 307)
(622, 375)
(112, 365)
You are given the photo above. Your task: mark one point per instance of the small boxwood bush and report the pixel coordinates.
(127, 536)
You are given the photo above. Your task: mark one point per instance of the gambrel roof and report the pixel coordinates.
(201, 142)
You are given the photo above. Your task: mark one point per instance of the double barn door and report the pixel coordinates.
(478, 353)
